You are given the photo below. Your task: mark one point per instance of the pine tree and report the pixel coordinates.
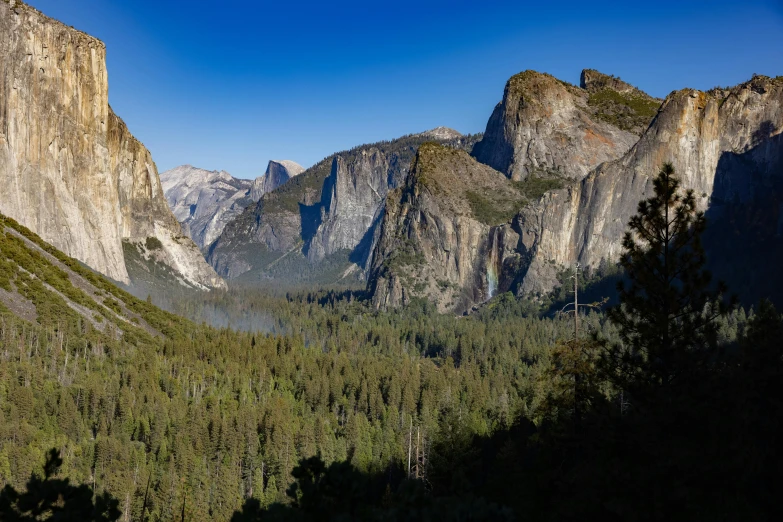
(668, 311)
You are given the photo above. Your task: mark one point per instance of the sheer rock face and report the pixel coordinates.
(277, 173)
(701, 134)
(545, 127)
(204, 201)
(69, 169)
(726, 145)
(352, 198)
(354, 194)
(435, 243)
(334, 206)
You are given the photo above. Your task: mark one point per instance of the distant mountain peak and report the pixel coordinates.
(292, 167)
(441, 133)
(277, 173)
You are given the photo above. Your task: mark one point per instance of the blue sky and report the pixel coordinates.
(230, 84)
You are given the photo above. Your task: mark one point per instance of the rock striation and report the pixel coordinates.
(724, 145)
(328, 214)
(204, 201)
(545, 127)
(351, 201)
(69, 168)
(446, 233)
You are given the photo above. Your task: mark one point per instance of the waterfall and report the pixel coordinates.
(493, 263)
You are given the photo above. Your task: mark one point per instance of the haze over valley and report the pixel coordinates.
(566, 311)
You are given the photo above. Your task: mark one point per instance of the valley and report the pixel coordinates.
(569, 315)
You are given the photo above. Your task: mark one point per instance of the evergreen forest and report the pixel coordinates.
(662, 403)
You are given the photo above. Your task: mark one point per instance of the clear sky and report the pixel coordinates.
(230, 84)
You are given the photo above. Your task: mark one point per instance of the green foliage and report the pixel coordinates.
(496, 211)
(178, 420)
(667, 319)
(520, 81)
(153, 243)
(534, 187)
(629, 111)
(491, 212)
(186, 406)
(341, 492)
(406, 256)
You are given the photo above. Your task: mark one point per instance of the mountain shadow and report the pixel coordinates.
(311, 220)
(362, 253)
(56, 500)
(708, 451)
(340, 492)
(744, 239)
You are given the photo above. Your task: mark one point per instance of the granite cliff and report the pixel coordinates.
(725, 145)
(321, 226)
(445, 232)
(69, 168)
(545, 127)
(277, 173)
(543, 135)
(205, 201)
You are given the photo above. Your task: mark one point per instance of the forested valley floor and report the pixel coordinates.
(317, 407)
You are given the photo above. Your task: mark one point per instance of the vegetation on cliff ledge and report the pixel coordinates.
(630, 111)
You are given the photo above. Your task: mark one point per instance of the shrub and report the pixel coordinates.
(153, 243)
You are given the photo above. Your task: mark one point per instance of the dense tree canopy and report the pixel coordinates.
(320, 408)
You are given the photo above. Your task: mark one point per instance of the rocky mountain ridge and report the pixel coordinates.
(617, 102)
(69, 168)
(205, 201)
(703, 134)
(724, 144)
(277, 173)
(323, 220)
(545, 127)
(442, 231)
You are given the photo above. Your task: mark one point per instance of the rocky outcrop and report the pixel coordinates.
(724, 145)
(331, 209)
(594, 81)
(545, 127)
(617, 102)
(277, 173)
(352, 199)
(446, 233)
(441, 134)
(69, 169)
(204, 201)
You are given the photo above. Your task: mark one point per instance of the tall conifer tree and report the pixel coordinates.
(669, 306)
